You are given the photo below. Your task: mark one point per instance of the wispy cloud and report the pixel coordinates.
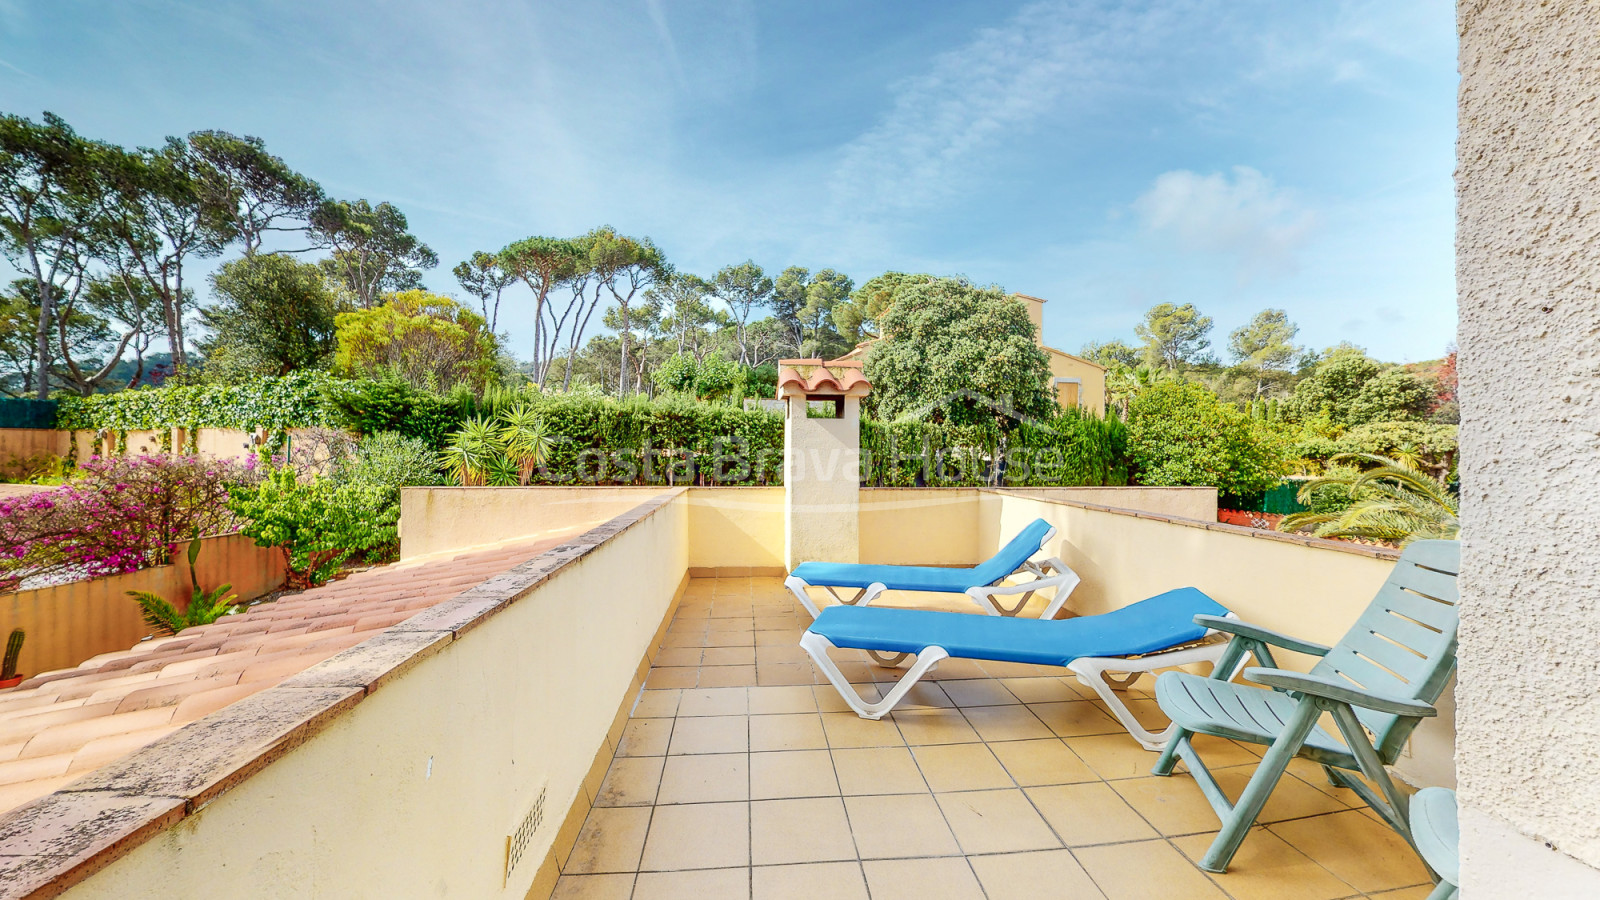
(1245, 217)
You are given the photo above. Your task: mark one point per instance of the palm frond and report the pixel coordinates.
(1393, 502)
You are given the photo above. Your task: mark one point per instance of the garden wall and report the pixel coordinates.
(1302, 586)
(490, 714)
(21, 443)
(70, 623)
(436, 519)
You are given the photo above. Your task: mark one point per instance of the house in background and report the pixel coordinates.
(1075, 382)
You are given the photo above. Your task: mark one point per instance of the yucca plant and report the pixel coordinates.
(526, 442)
(204, 607)
(1393, 502)
(472, 452)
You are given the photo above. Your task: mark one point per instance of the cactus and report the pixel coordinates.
(8, 666)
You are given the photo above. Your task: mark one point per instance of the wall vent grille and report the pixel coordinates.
(518, 841)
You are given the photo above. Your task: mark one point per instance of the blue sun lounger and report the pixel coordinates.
(982, 582)
(1152, 634)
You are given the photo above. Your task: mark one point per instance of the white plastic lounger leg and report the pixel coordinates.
(818, 646)
(1064, 581)
(797, 586)
(1092, 669)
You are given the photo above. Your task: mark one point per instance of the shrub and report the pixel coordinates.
(118, 515)
(373, 406)
(1076, 448)
(424, 338)
(204, 607)
(1181, 434)
(268, 403)
(389, 462)
(315, 523)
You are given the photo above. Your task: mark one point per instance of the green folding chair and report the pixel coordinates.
(1378, 683)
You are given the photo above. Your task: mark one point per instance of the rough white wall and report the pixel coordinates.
(1528, 264)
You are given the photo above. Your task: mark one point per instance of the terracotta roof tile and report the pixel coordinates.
(815, 376)
(57, 726)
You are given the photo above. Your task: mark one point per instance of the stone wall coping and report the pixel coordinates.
(57, 841)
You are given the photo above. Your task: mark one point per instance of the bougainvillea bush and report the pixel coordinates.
(118, 515)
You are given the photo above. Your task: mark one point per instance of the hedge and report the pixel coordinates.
(269, 403)
(1071, 450)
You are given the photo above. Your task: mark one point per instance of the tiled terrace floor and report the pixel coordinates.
(740, 774)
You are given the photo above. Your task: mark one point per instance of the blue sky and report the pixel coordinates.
(1236, 154)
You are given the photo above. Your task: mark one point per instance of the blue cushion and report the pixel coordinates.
(1162, 621)
(929, 578)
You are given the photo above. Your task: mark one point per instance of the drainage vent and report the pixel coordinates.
(518, 841)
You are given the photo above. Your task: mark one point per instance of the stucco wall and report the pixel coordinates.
(435, 519)
(821, 481)
(1528, 262)
(453, 750)
(735, 527)
(21, 443)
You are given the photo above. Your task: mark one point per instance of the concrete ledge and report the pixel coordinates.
(54, 843)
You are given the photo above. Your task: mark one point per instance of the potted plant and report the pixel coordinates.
(8, 664)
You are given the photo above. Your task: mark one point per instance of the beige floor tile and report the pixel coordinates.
(705, 778)
(900, 825)
(1146, 711)
(1420, 892)
(957, 669)
(960, 767)
(678, 656)
(1089, 813)
(997, 669)
(995, 822)
(792, 773)
(710, 734)
(934, 726)
(1221, 753)
(785, 653)
(1045, 690)
(1266, 868)
(726, 639)
(809, 881)
(656, 704)
(687, 639)
(672, 677)
(1173, 805)
(1006, 723)
(924, 695)
(594, 887)
(731, 625)
(1312, 774)
(794, 831)
(698, 836)
(922, 879)
(1357, 848)
(704, 884)
(1047, 761)
(729, 656)
(878, 770)
(791, 731)
(1114, 755)
(632, 781)
(1030, 876)
(850, 730)
(1291, 799)
(727, 676)
(781, 699)
(645, 737)
(784, 673)
(1147, 869)
(980, 692)
(610, 841)
(714, 702)
(1076, 719)
(783, 635)
(828, 699)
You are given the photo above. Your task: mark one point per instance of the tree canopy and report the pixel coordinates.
(273, 315)
(955, 352)
(1174, 336)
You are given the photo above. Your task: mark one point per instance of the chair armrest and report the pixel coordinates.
(1265, 635)
(1342, 691)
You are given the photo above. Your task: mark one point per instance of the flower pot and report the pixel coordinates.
(11, 682)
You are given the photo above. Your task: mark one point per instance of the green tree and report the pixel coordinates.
(54, 201)
(1395, 395)
(256, 191)
(274, 314)
(373, 250)
(960, 354)
(744, 288)
(1174, 336)
(685, 313)
(788, 299)
(316, 524)
(1181, 434)
(1265, 346)
(484, 277)
(428, 340)
(624, 266)
(826, 291)
(1352, 389)
(164, 216)
(544, 264)
(1113, 354)
(858, 318)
